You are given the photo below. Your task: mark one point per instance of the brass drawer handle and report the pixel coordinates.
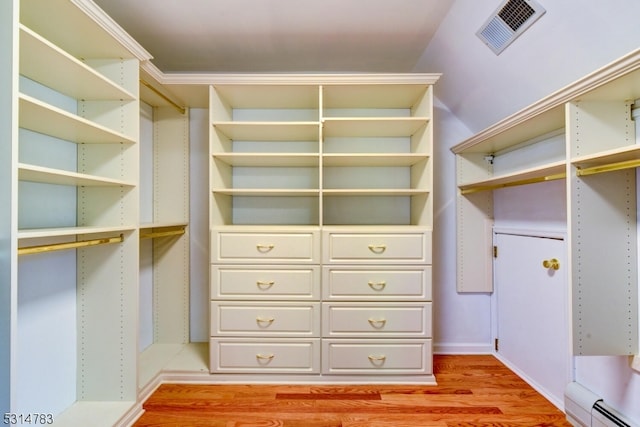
(377, 323)
(377, 249)
(377, 359)
(264, 284)
(265, 248)
(377, 286)
(265, 356)
(552, 263)
(263, 320)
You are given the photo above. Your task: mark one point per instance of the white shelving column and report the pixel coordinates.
(75, 243)
(165, 232)
(8, 258)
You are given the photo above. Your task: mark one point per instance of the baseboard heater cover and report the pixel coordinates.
(586, 409)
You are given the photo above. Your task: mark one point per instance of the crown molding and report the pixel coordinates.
(624, 65)
(276, 78)
(107, 23)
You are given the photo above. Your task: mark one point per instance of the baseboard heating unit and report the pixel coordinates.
(585, 409)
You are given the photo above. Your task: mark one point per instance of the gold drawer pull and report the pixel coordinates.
(263, 284)
(377, 249)
(264, 321)
(264, 248)
(377, 359)
(377, 286)
(265, 356)
(551, 263)
(377, 323)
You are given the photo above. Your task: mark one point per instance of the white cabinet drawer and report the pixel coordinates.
(277, 319)
(255, 247)
(247, 282)
(265, 356)
(364, 283)
(376, 320)
(396, 248)
(398, 357)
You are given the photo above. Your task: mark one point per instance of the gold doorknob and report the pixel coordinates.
(551, 263)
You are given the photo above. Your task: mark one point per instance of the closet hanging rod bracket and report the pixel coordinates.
(163, 232)
(178, 107)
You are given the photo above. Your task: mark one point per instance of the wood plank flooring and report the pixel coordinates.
(471, 391)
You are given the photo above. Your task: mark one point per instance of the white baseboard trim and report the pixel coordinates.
(462, 348)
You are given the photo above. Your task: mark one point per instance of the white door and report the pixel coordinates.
(532, 311)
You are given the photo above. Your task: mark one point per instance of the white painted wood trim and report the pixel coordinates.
(107, 23)
(598, 78)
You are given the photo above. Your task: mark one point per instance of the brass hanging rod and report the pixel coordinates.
(627, 164)
(69, 245)
(169, 231)
(514, 183)
(180, 108)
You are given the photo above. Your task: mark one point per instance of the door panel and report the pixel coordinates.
(532, 320)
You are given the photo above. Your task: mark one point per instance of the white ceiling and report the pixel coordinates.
(281, 35)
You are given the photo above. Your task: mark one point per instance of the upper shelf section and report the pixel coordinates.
(52, 19)
(46, 63)
(269, 131)
(373, 126)
(41, 117)
(490, 159)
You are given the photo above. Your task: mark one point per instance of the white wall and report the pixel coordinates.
(462, 322)
(572, 39)
(199, 223)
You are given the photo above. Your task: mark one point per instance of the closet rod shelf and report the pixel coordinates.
(496, 186)
(156, 232)
(627, 164)
(69, 245)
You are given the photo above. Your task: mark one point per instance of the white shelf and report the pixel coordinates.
(162, 224)
(269, 131)
(607, 158)
(372, 96)
(269, 159)
(374, 192)
(42, 61)
(268, 96)
(41, 117)
(372, 126)
(36, 233)
(60, 177)
(372, 159)
(266, 192)
(535, 174)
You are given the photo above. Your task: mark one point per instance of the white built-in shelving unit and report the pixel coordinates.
(73, 129)
(321, 221)
(584, 134)
(164, 233)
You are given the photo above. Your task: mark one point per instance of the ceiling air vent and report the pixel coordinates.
(508, 22)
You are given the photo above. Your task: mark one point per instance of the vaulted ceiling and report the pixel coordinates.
(281, 35)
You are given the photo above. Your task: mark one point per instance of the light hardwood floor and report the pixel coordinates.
(471, 391)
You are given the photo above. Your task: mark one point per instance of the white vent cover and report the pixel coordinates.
(508, 22)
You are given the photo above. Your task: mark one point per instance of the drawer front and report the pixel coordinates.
(376, 320)
(378, 247)
(264, 247)
(245, 282)
(402, 283)
(282, 319)
(265, 356)
(399, 357)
